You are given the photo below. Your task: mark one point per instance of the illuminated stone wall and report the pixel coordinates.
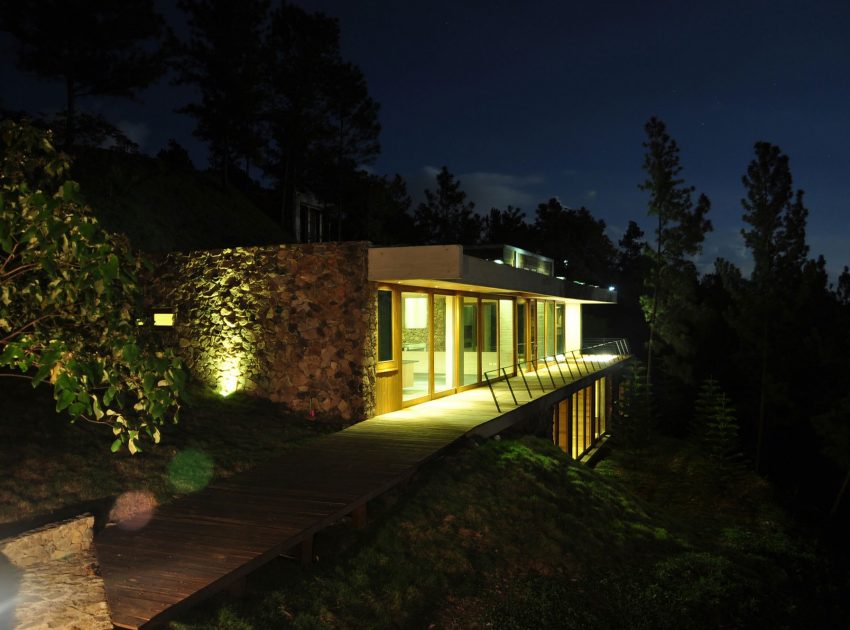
(292, 323)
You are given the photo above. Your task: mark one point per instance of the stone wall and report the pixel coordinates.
(292, 323)
(49, 579)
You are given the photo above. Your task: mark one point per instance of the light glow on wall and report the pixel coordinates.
(230, 373)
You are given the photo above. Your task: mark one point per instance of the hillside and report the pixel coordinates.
(165, 207)
(511, 534)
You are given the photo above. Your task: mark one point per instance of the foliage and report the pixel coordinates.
(507, 226)
(379, 210)
(322, 123)
(96, 47)
(446, 216)
(223, 56)
(680, 229)
(634, 416)
(714, 422)
(68, 300)
(576, 241)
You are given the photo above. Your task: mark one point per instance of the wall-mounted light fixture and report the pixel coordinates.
(163, 316)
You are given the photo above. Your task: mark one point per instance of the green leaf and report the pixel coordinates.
(116, 445)
(64, 398)
(98, 412)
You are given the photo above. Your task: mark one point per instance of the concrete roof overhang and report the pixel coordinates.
(446, 267)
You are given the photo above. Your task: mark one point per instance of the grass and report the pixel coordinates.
(511, 534)
(47, 464)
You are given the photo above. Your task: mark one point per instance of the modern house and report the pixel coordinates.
(359, 331)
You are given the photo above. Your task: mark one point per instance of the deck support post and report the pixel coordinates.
(359, 516)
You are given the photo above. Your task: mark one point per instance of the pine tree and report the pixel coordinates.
(576, 241)
(680, 229)
(446, 216)
(777, 240)
(95, 47)
(714, 423)
(223, 57)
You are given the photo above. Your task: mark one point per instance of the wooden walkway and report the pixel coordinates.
(201, 544)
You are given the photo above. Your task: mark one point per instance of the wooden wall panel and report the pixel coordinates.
(387, 392)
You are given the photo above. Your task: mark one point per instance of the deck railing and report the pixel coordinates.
(547, 373)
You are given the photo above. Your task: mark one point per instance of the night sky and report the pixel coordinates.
(530, 100)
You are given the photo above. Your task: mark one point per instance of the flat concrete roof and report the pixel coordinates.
(446, 267)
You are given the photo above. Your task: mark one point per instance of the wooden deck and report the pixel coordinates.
(201, 544)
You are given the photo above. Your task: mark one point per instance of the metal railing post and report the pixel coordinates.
(525, 382)
(492, 393)
(549, 372)
(510, 389)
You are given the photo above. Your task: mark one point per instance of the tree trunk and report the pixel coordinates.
(652, 317)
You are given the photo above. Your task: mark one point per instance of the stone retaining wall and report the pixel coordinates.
(49, 579)
(292, 323)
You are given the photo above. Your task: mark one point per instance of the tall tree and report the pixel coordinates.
(323, 125)
(223, 57)
(776, 239)
(446, 216)
(679, 232)
(576, 241)
(352, 127)
(96, 47)
(507, 226)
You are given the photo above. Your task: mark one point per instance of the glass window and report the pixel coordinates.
(385, 325)
(520, 331)
(541, 329)
(550, 329)
(469, 341)
(490, 337)
(506, 335)
(559, 329)
(444, 342)
(414, 345)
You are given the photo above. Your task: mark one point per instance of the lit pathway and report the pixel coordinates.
(201, 544)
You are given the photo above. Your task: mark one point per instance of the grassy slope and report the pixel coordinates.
(510, 534)
(47, 464)
(164, 208)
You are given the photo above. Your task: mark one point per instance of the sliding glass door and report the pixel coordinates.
(415, 359)
(444, 343)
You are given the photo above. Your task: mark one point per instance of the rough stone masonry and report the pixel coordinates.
(291, 323)
(49, 579)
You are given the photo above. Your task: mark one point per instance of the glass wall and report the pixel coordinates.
(444, 342)
(489, 338)
(559, 329)
(506, 335)
(550, 329)
(469, 341)
(414, 345)
(520, 330)
(541, 329)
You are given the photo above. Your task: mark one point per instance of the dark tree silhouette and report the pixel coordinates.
(379, 210)
(446, 216)
(507, 226)
(679, 232)
(95, 47)
(576, 241)
(777, 240)
(223, 57)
